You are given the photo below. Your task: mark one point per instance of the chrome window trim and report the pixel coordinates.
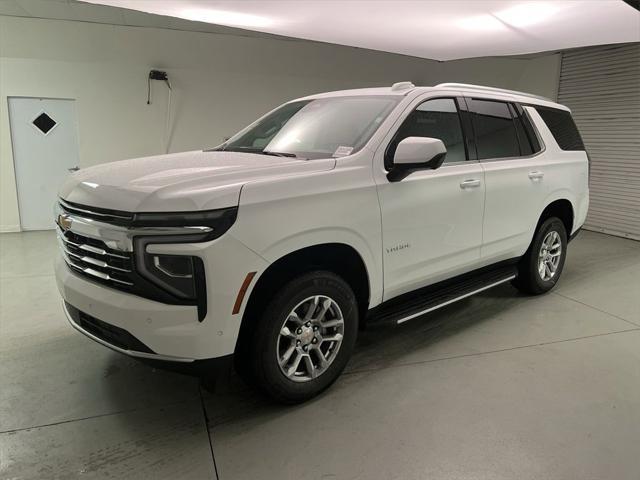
(502, 159)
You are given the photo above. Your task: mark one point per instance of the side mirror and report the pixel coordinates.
(416, 153)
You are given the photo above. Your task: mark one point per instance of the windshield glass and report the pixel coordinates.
(320, 128)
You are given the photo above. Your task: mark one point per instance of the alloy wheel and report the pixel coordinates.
(310, 338)
(549, 255)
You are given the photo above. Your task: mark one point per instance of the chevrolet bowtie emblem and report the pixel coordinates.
(64, 222)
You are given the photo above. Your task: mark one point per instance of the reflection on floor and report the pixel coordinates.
(496, 386)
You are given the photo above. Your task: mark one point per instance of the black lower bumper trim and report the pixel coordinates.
(116, 336)
(210, 368)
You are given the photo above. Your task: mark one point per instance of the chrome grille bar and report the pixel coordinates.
(89, 248)
(93, 261)
(91, 257)
(92, 272)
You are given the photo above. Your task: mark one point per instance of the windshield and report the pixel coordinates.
(320, 128)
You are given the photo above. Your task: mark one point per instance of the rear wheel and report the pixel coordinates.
(305, 337)
(542, 264)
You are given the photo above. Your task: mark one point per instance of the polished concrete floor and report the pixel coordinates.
(500, 386)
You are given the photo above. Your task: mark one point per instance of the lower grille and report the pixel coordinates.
(116, 336)
(92, 258)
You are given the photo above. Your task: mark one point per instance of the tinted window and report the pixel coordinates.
(562, 128)
(437, 118)
(529, 129)
(523, 138)
(495, 130)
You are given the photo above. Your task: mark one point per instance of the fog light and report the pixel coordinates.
(175, 266)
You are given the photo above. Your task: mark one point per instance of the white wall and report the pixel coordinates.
(220, 83)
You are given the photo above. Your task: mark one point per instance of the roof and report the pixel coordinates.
(406, 88)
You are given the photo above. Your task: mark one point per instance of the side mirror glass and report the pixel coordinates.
(416, 153)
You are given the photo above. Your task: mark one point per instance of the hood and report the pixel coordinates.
(188, 181)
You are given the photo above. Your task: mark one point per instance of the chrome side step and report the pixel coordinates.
(415, 304)
(453, 300)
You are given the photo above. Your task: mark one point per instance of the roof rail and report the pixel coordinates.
(491, 89)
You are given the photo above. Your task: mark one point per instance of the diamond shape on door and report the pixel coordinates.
(44, 123)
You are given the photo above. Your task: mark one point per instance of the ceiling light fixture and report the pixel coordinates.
(481, 23)
(222, 17)
(527, 13)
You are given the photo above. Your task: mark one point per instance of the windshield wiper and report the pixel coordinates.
(257, 150)
(279, 154)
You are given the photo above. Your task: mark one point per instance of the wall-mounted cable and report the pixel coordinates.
(162, 76)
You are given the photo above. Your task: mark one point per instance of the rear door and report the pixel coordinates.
(432, 219)
(509, 151)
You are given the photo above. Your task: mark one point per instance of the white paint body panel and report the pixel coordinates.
(286, 204)
(188, 181)
(432, 227)
(518, 190)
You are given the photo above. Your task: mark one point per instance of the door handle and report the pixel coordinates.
(73, 169)
(471, 183)
(536, 175)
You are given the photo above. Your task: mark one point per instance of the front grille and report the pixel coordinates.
(92, 258)
(106, 332)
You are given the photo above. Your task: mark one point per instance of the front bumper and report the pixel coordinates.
(123, 342)
(163, 330)
(113, 337)
(171, 332)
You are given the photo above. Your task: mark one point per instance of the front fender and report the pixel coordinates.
(284, 216)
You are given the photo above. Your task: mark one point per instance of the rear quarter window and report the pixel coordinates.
(562, 127)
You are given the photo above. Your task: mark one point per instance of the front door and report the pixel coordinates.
(44, 138)
(432, 219)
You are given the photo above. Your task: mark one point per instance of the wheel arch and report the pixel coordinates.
(340, 258)
(561, 208)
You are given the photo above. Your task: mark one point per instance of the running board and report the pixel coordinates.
(414, 304)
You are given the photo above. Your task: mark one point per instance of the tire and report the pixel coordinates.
(533, 276)
(271, 343)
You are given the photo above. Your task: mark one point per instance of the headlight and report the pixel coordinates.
(182, 276)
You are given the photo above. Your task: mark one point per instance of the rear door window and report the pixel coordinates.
(495, 130)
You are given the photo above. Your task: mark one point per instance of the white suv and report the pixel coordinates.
(272, 249)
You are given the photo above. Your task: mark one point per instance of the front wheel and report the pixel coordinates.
(541, 266)
(305, 337)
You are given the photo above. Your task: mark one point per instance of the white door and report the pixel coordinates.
(45, 148)
(432, 219)
(517, 178)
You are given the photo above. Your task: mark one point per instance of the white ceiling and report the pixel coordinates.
(436, 29)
